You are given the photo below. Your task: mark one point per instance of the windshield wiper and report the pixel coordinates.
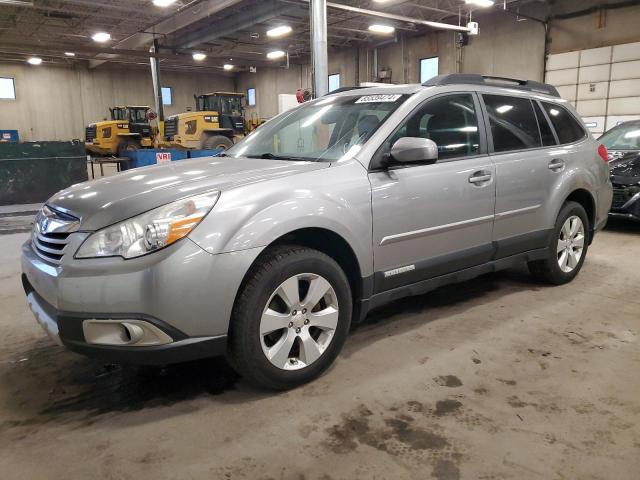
(272, 156)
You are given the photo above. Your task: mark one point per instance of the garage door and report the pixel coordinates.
(602, 83)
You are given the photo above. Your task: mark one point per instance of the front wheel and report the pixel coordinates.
(568, 247)
(214, 142)
(130, 145)
(291, 318)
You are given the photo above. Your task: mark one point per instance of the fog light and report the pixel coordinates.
(125, 332)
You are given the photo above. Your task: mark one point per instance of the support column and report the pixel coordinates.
(318, 13)
(157, 86)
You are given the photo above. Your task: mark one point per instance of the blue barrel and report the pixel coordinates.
(9, 136)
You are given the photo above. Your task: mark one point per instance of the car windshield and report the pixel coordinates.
(624, 137)
(325, 130)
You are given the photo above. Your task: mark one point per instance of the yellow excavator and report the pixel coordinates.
(128, 129)
(217, 123)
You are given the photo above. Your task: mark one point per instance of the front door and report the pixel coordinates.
(433, 219)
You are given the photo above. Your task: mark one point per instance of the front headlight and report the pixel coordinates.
(149, 231)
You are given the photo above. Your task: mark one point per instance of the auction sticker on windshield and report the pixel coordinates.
(378, 98)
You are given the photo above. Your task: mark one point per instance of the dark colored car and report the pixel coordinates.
(623, 144)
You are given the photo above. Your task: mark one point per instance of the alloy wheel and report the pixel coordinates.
(299, 321)
(571, 244)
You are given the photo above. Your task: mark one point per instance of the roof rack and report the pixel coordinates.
(476, 79)
(343, 89)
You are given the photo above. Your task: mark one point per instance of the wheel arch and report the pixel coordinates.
(328, 242)
(585, 198)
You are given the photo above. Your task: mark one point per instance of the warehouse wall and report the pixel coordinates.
(269, 83)
(56, 103)
(612, 27)
(505, 47)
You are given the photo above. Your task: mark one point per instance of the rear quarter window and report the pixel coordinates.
(566, 126)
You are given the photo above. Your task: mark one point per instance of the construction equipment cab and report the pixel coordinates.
(128, 129)
(217, 121)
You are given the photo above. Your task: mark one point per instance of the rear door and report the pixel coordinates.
(433, 219)
(528, 163)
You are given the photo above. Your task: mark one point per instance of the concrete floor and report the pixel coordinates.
(498, 378)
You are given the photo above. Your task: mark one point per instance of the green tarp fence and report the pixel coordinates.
(31, 172)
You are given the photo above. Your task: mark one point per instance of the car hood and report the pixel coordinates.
(625, 169)
(102, 202)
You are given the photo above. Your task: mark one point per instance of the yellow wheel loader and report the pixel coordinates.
(128, 129)
(217, 122)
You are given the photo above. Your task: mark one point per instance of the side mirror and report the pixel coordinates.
(414, 149)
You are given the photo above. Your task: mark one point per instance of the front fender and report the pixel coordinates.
(255, 215)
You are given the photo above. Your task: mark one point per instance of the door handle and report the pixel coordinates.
(556, 165)
(480, 177)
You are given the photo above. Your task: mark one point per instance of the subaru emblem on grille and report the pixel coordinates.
(53, 221)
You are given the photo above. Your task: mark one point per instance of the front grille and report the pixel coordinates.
(90, 133)
(51, 233)
(620, 197)
(171, 127)
(49, 246)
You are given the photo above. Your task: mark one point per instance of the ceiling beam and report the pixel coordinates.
(243, 20)
(177, 21)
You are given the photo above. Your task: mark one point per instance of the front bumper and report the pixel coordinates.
(182, 291)
(65, 328)
(626, 203)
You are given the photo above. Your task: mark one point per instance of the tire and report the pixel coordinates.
(130, 144)
(550, 270)
(294, 359)
(213, 142)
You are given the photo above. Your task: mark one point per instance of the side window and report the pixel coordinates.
(450, 121)
(548, 139)
(513, 123)
(567, 127)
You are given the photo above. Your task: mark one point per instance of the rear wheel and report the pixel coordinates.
(568, 247)
(291, 318)
(214, 142)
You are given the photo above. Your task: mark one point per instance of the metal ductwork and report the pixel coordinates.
(262, 12)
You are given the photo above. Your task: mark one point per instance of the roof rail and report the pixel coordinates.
(343, 89)
(476, 79)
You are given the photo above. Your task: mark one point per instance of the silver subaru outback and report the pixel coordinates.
(268, 252)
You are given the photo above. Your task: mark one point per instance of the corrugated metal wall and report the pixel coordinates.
(603, 83)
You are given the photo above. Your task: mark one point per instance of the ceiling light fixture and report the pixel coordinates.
(101, 37)
(198, 56)
(275, 54)
(228, 66)
(163, 3)
(279, 31)
(70, 54)
(480, 3)
(34, 61)
(377, 28)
